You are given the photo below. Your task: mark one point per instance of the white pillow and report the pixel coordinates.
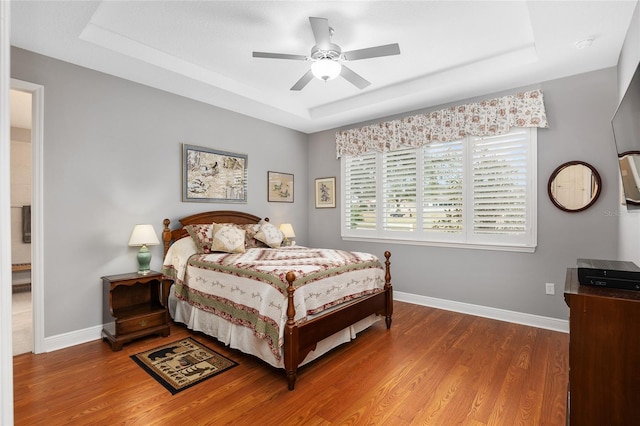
(227, 238)
(270, 235)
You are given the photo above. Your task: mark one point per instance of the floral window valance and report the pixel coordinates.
(484, 118)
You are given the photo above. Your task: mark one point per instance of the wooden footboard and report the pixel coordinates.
(301, 338)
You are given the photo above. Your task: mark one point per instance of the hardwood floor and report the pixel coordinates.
(433, 367)
(21, 322)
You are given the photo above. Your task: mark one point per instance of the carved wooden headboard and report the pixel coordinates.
(217, 216)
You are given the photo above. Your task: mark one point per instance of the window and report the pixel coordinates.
(478, 192)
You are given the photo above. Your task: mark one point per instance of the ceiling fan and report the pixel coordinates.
(327, 57)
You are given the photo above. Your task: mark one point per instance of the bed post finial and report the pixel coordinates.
(292, 357)
(389, 288)
(166, 235)
(387, 267)
(291, 309)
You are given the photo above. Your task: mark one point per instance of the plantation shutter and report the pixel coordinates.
(360, 192)
(442, 197)
(499, 169)
(476, 192)
(399, 190)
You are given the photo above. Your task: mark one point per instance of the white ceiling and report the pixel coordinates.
(450, 50)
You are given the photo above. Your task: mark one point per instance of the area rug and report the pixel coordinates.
(182, 364)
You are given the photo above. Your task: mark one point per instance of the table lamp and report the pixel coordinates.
(287, 230)
(143, 236)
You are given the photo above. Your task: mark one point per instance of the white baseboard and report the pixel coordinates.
(77, 337)
(72, 338)
(486, 312)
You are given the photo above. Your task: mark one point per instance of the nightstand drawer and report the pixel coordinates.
(141, 322)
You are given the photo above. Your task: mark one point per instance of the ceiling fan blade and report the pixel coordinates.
(353, 78)
(279, 56)
(373, 52)
(304, 80)
(320, 28)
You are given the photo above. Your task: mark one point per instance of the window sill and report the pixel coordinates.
(447, 244)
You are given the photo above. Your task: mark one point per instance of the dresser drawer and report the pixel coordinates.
(141, 322)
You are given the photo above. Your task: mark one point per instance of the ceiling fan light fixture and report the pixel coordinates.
(326, 57)
(326, 69)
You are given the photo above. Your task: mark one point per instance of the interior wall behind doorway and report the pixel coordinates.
(21, 172)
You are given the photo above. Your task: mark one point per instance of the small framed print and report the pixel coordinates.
(325, 193)
(280, 187)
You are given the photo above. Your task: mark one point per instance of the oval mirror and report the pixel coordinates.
(574, 186)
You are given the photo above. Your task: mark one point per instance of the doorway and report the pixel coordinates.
(30, 255)
(21, 306)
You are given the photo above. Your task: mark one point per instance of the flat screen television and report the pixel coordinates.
(626, 132)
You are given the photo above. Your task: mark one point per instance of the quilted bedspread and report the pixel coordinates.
(249, 289)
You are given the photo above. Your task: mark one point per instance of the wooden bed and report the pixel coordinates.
(300, 337)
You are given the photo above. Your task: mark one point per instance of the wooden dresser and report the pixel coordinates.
(604, 354)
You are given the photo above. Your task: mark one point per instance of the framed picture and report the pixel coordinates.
(210, 175)
(325, 193)
(280, 187)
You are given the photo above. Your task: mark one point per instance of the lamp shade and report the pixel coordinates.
(287, 230)
(326, 69)
(143, 235)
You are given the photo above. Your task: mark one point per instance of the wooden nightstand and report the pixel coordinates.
(135, 304)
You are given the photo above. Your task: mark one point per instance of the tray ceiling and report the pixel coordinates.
(450, 50)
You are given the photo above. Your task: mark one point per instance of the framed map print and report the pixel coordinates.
(209, 175)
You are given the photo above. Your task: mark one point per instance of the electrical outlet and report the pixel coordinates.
(550, 288)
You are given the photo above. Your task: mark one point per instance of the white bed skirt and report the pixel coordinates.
(243, 339)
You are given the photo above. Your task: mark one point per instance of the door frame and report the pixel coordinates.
(6, 346)
(37, 217)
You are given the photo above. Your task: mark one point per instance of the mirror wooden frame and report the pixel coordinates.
(594, 175)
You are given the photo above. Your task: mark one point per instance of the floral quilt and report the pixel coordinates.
(249, 288)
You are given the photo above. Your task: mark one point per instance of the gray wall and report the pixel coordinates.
(579, 110)
(112, 159)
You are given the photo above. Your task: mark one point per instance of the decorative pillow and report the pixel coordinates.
(227, 238)
(250, 235)
(202, 237)
(250, 230)
(270, 235)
